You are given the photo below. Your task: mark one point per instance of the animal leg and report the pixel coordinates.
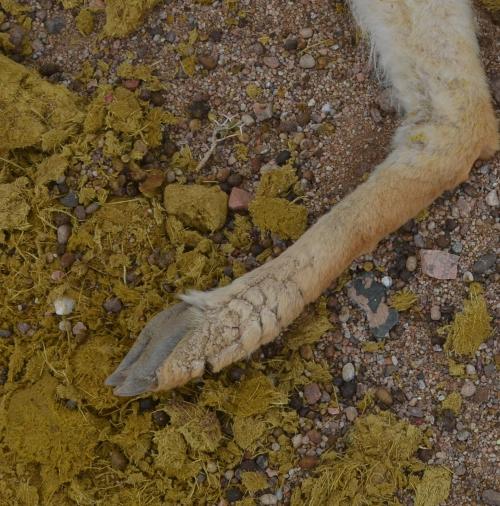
(428, 51)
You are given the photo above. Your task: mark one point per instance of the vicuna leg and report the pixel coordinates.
(428, 51)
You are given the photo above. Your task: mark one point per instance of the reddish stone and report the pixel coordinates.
(239, 199)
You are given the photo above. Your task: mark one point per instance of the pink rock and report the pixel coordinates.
(263, 111)
(239, 199)
(439, 264)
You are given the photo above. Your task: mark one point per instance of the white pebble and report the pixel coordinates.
(64, 306)
(387, 281)
(468, 277)
(351, 413)
(468, 389)
(297, 440)
(348, 372)
(435, 313)
(492, 198)
(411, 263)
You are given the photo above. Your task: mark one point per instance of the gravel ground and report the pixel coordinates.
(339, 115)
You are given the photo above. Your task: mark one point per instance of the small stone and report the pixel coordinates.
(64, 306)
(113, 305)
(435, 313)
(348, 390)
(55, 24)
(79, 329)
(384, 396)
(351, 413)
(307, 61)
(297, 441)
(208, 62)
(306, 33)
(463, 435)
(411, 263)
(67, 260)
(491, 497)
(387, 281)
(5, 333)
(291, 43)
(233, 494)
(308, 462)
(80, 213)
(262, 461)
(492, 198)
(63, 233)
(312, 393)
(484, 264)
(282, 157)
(470, 370)
(239, 199)
(92, 208)
(69, 200)
(439, 264)
(212, 466)
(306, 352)
(415, 412)
(468, 389)
(314, 436)
(16, 35)
(468, 277)
(348, 372)
(271, 62)
(118, 459)
(234, 179)
(263, 111)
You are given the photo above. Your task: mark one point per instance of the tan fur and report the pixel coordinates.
(428, 51)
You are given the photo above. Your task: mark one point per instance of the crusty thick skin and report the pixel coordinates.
(428, 51)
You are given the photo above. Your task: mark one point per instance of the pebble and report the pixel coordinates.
(470, 370)
(439, 264)
(80, 213)
(55, 24)
(64, 306)
(23, 327)
(435, 313)
(5, 333)
(113, 305)
(468, 277)
(384, 396)
(291, 43)
(307, 61)
(263, 111)
(160, 418)
(351, 413)
(415, 411)
(79, 329)
(233, 494)
(348, 372)
(297, 441)
(492, 198)
(67, 260)
(268, 499)
(484, 264)
(211, 466)
(239, 199)
(491, 497)
(387, 281)
(411, 263)
(306, 33)
(48, 69)
(312, 393)
(69, 200)
(271, 62)
(463, 435)
(468, 389)
(282, 157)
(63, 233)
(348, 390)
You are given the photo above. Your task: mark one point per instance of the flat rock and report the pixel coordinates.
(491, 497)
(439, 264)
(201, 207)
(370, 296)
(307, 61)
(239, 199)
(484, 263)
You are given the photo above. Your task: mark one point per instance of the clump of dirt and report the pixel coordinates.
(379, 461)
(201, 207)
(471, 327)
